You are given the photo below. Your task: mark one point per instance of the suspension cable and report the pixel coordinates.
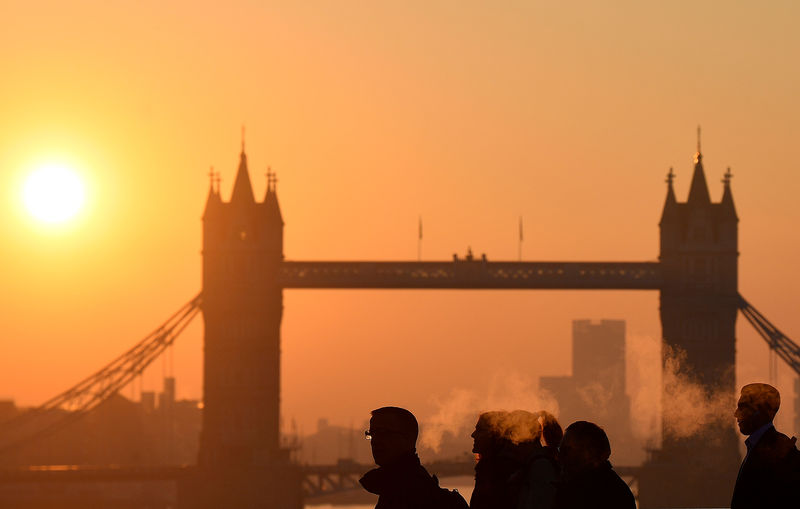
(777, 341)
(87, 394)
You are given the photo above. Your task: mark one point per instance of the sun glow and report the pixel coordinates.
(53, 194)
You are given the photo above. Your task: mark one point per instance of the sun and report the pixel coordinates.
(53, 194)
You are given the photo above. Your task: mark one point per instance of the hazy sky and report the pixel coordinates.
(469, 114)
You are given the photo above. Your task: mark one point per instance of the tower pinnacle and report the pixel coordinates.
(272, 180)
(242, 138)
(726, 179)
(670, 204)
(727, 196)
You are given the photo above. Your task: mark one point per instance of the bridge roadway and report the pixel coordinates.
(472, 273)
(318, 480)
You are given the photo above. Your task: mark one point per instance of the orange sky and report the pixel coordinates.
(372, 114)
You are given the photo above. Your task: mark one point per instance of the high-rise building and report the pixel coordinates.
(596, 391)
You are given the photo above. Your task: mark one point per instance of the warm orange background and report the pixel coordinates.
(466, 113)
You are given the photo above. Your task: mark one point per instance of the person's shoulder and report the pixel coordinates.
(775, 445)
(429, 494)
(622, 492)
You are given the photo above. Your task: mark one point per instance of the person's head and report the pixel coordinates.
(584, 446)
(521, 426)
(487, 437)
(757, 406)
(392, 434)
(551, 429)
(522, 434)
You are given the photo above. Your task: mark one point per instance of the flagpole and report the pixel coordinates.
(519, 245)
(419, 241)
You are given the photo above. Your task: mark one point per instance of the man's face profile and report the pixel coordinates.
(481, 438)
(747, 415)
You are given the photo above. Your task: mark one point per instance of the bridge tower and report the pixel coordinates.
(241, 462)
(699, 304)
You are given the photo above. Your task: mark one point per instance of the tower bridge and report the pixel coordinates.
(241, 461)
(245, 273)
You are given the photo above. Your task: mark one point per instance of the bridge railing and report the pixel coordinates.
(471, 274)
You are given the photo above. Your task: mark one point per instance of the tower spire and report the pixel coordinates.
(242, 190)
(698, 139)
(699, 155)
(698, 190)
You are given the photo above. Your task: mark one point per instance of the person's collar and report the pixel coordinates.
(755, 436)
(379, 479)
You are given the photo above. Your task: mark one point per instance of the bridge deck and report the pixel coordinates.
(472, 274)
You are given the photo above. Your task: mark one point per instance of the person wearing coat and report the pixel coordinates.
(770, 472)
(400, 481)
(587, 479)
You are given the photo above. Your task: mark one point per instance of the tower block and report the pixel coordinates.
(241, 462)
(699, 304)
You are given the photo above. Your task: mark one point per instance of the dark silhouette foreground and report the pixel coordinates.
(587, 479)
(770, 472)
(496, 463)
(517, 466)
(400, 481)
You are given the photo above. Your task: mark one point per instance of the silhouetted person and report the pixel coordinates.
(540, 473)
(552, 433)
(400, 481)
(587, 479)
(496, 463)
(770, 472)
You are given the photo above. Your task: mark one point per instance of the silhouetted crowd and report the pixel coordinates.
(526, 461)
